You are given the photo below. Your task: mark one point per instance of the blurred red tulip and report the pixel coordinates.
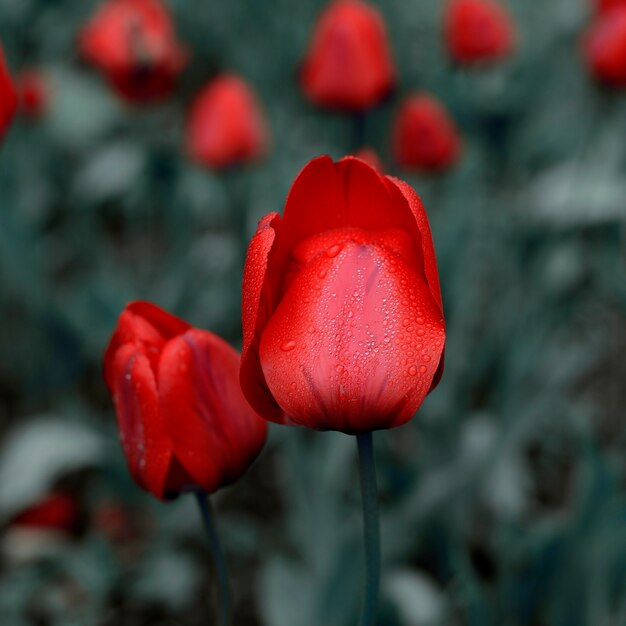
(424, 136)
(603, 6)
(225, 125)
(342, 315)
(32, 90)
(604, 48)
(57, 511)
(183, 421)
(8, 96)
(348, 64)
(478, 31)
(370, 156)
(134, 45)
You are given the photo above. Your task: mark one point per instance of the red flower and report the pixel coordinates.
(57, 511)
(424, 136)
(603, 6)
(32, 93)
(342, 316)
(478, 30)
(225, 125)
(348, 65)
(370, 156)
(604, 48)
(133, 43)
(183, 421)
(8, 96)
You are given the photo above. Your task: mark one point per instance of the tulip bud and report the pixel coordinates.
(478, 31)
(604, 48)
(225, 125)
(348, 65)
(33, 95)
(8, 96)
(132, 42)
(183, 421)
(342, 315)
(424, 136)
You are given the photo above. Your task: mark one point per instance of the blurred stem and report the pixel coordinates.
(359, 121)
(218, 557)
(371, 527)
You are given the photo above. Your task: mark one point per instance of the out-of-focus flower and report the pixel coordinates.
(478, 31)
(56, 511)
(33, 95)
(225, 125)
(8, 95)
(183, 420)
(348, 64)
(424, 135)
(342, 315)
(603, 6)
(370, 156)
(134, 45)
(604, 48)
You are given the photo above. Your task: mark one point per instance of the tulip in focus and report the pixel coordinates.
(424, 136)
(478, 31)
(604, 48)
(225, 125)
(8, 96)
(133, 43)
(342, 315)
(33, 95)
(183, 421)
(348, 65)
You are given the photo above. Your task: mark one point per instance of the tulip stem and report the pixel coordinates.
(371, 527)
(218, 556)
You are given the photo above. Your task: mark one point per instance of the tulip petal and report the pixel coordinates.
(346, 194)
(144, 324)
(143, 435)
(428, 249)
(258, 300)
(355, 342)
(215, 432)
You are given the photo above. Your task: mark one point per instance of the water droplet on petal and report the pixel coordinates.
(288, 346)
(333, 251)
(412, 370)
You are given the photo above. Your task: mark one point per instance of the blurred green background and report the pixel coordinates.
(503, 502)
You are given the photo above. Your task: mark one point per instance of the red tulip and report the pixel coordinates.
(183, 421)
(348, 65)
(32, 93)
(603, 6)
(424, 136)
(225, 125)
(370, 156)
(604, 48)
(478, 31)
(342, 315)
(57, 511)
(134, 45)
(8, 96)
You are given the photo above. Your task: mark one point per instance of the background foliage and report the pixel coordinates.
(503, 501)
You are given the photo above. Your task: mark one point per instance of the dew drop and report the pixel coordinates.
(421, 332)
(423, 369)
(425, 358)
(288, 346)
(322, 273)
(311, 329)
(340, 369)
(333, 251)
(412, 370)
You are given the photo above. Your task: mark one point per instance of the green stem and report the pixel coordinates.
(218, 557)
(371, 527)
